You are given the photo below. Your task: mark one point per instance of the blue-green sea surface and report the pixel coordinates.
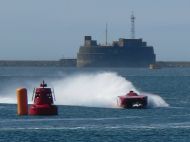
(86, 105)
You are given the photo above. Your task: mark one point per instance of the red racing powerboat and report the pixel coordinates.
(43, 101)
(132, 100)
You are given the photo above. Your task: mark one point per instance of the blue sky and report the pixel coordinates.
(52, 29)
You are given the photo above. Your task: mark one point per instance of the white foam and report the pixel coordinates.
(155, 101)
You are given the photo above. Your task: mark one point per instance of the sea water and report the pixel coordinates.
(87, 104)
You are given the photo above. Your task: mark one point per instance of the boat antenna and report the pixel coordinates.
(106, 34)
(132, 26)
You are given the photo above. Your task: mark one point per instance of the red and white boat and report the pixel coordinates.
(132, 100)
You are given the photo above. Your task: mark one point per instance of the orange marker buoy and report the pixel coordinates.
(22, 101)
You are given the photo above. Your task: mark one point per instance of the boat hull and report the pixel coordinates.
(43, 109)
(131, 102)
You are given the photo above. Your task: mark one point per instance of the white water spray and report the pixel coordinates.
(155, 101)
(95, 90)
(98, 90)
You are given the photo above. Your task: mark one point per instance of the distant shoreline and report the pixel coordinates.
(73, 62)
(39, 63)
